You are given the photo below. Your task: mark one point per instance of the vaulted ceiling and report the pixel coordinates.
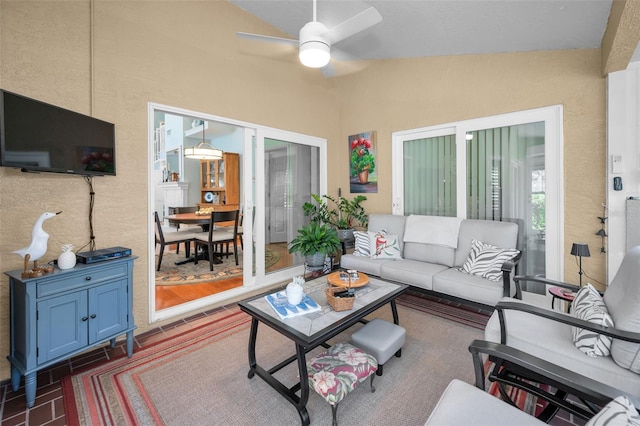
(418, 28)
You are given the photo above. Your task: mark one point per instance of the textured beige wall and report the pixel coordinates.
(399, 95)
(186, 54)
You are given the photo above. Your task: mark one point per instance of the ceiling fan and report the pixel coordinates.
(315, 39)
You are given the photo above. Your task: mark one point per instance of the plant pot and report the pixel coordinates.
(345, 234)
(363, 177)
(315, 260)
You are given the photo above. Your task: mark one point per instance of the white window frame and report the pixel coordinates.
(552, 116)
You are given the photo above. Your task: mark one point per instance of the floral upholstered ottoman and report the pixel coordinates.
(338, 370)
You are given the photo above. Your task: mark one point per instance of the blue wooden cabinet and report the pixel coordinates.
(67, 312)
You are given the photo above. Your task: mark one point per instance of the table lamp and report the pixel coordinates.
(580, 250)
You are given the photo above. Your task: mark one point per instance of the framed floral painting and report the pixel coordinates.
(363, 176)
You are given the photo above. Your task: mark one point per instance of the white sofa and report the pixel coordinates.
(433, 248)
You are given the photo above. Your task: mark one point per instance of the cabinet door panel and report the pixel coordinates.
(108, 309)
(61, 326)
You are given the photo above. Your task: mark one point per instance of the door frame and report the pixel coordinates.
(253, 195)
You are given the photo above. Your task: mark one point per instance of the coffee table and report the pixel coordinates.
(312, 330)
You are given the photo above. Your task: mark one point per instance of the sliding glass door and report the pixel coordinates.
(277, 170)
(496, 168)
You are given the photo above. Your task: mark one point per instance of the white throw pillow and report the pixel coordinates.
(384, 246)
(618, 412)
(589, 306)
(486, 260)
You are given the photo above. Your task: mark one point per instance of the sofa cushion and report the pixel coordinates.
(499, 234)
(384, 246)
(412, 272)
(429, 253)
(524, 332)
(464, 404)
(363, 264)
(622, 298)
(486, 260)
(470, 287)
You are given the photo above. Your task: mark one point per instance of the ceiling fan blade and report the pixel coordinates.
(354, 25)
(268, 38)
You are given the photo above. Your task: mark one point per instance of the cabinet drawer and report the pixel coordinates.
(73, 281)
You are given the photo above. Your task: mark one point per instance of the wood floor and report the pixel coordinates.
(172, 295)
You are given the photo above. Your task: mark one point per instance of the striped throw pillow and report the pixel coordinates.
(618, 412)
(486, 260)
(589, 306)
(362, 246)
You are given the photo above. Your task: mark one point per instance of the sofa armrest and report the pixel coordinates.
(536, 279)
(508, 268)
(544, 372)
(613, 332)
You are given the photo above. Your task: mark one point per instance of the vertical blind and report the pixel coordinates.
(430, 176)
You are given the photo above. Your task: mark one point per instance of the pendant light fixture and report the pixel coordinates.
(204, 150)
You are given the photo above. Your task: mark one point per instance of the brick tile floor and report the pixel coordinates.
(49, 406)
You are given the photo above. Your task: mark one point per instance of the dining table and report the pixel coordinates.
(194, 219)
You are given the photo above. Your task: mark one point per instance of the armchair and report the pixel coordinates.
(543, 339)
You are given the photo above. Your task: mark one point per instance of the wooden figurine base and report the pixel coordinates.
(37, 272)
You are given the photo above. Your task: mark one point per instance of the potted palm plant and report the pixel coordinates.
(315, 241)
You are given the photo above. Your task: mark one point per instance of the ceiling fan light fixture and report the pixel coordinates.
(314, 54)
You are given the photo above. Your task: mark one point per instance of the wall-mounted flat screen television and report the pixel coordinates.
(40, 137)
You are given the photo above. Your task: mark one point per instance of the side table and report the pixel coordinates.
(562, 294)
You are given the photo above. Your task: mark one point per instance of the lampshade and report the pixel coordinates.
(580, 249)
(314, 54)
(204, 150)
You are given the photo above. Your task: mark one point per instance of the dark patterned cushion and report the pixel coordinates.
(589, 306)
(486, 260)
(618, 412)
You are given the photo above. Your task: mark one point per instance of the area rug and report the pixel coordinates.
(190, 273)
(200, 377)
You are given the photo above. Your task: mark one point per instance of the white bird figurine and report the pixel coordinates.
(39, 238)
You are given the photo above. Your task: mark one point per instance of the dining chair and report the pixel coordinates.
(240, 227)
(213, 238)
(192, 228)
(171, 238)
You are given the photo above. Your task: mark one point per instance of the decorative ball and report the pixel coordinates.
(67, 258)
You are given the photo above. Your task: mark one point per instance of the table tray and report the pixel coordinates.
(334, 279)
